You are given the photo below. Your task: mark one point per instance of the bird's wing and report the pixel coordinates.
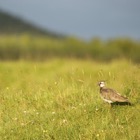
(116, 97)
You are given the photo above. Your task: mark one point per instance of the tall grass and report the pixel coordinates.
(59, 99)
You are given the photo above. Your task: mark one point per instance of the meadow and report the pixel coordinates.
(58, 99)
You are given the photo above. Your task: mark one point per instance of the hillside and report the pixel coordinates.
(10, 24)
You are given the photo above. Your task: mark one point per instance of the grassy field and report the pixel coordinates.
(59, 100)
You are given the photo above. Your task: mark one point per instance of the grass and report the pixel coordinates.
(59, 100)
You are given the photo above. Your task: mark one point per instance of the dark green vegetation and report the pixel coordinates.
(59, 100)
(31, 47)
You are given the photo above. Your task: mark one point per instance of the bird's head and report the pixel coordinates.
(101, 84)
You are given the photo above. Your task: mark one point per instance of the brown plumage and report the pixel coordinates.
(111, 96)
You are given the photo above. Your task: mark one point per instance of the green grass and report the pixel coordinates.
(59, 100)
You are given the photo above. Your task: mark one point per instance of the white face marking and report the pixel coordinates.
(101, 84)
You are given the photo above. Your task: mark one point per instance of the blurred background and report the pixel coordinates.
(93, 29)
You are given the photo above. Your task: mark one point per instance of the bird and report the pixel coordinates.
(111, 96)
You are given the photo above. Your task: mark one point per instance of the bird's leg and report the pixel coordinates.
(111, 105)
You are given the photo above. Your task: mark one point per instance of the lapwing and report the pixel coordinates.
(111, 96)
